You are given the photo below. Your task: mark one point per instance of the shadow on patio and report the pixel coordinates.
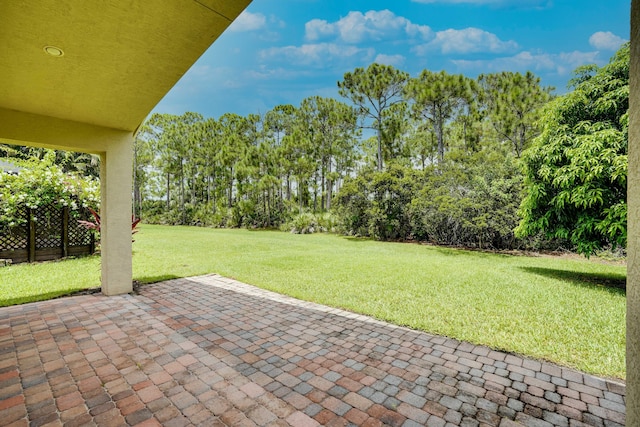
(210, 351)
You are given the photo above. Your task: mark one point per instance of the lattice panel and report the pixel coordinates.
(79, 235)
(48, 227)
(14, 238)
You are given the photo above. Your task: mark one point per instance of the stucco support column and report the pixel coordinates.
(633, 227)
(115, 211)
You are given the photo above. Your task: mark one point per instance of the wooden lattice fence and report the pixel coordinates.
(50, 232)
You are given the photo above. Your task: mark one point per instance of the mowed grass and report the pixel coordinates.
(568, 311)
(22, 283)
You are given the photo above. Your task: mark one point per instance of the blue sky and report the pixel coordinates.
(281, 51)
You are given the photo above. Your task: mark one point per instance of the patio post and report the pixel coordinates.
(633, 227)
(115, 210)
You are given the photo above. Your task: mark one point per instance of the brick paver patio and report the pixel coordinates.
(210, 351)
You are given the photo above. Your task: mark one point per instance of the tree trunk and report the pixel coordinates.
(380, 165)
(168, 191)
(208, 190)
(322, 187)
(230, 201)
(315, 193)
(288, 188)
(440, 134)
(265, 204)
(137, 197)
(520, 142)
(268, 211)
(329, 186)
(182, 212)
(300, 194)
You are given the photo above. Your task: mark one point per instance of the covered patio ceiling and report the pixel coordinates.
(117, 60)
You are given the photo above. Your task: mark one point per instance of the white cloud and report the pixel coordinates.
(263, 73)
(248, 21)
(338, 39)
(395, 60)
(468, 40)
(560, 63)
(373, 25)
(576, 58)
(499, 3)
(605, 40)
(317, 29)
(274, 20)
(317, 54)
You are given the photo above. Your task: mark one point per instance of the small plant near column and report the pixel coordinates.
(96, 223)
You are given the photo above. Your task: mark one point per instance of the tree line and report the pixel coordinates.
(263, 170)
(492, 162)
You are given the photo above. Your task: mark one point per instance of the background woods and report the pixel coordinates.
(438, 157)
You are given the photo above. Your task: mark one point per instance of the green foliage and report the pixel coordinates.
(377, 93)
(440, 165)
(576, 170)
(391, 191)
(513, 102)
(353, 205)
(468, 201)
(309, 223)
(75, 163)
(472, 203)
(437, 98)
(375, 203)
(243, 171)
(333, 130)
(41, 183)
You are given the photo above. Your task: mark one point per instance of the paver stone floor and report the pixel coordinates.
(211, 351)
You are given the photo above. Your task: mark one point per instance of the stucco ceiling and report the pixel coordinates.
(120, 57)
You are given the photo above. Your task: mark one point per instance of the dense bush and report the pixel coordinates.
(308, 223)
(392, 191)
(472, 203)
(469, 203)
(41, 183)
(353, 205)
(246, 213)
(576, 170)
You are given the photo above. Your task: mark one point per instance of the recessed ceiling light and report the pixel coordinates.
(54, 51)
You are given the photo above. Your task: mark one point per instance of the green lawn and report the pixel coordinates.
(564, 310)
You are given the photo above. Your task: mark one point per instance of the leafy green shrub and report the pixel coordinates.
(42, 183)
(576, 170)
(470, 203)
(327, 222)
(353, 205)
(221, 217)
(392, 191)
(152, 211)
(375, 204)
(308, 223)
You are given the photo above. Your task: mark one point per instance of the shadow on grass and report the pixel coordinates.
(145, 280)
(614, 283)
(469, 252)
(46, 296)
(357, 239)
(442, 250)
